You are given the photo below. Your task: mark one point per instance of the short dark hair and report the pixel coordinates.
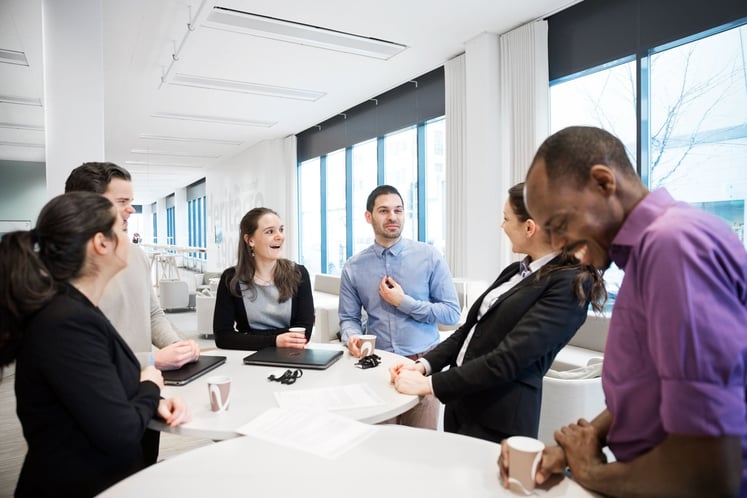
(516, 200)
(381, 190)
(94, 177)
(571, 152)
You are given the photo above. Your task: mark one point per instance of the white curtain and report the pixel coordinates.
(456, 130)
(524, 90)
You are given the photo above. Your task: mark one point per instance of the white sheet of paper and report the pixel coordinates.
(329, 398)
(320, 432)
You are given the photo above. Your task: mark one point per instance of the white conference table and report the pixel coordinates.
(252, 394)
(394, 461)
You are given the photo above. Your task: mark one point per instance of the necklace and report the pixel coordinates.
(263, 281)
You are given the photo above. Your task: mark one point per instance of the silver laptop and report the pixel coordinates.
(191, 371)
(317, 359)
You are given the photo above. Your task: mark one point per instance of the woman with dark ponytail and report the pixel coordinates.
(81, 398)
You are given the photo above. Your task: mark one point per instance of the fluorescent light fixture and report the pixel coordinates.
(165, 138)
(13, 57)
(302, 34)
(245, 87)
(151, 163)
(19, 126)
(21, 144)
(215, 119)
(10, 99)
(173, 154)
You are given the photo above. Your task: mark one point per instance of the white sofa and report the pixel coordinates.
(326, 291)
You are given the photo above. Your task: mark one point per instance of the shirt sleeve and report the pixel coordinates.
(443, 306)
(349, 307)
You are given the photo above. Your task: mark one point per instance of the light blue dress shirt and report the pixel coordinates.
(430, 297)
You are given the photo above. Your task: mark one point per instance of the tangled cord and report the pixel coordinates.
(370, 361)
(288, 377)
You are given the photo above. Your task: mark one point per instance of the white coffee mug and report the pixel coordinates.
(219, 389)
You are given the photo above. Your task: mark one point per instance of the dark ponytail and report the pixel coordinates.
(33, 263)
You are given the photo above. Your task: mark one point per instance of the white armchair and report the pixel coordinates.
(174, 294)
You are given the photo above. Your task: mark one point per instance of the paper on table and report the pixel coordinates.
(329, 398)
(322, 433)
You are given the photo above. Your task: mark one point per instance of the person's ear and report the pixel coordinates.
(368, 217)
(603, 179)
(100, 244)
(247, 240)
(530, 227)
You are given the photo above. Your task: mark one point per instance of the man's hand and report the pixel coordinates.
(583, 452)
(390, 291)
(176, 355)
(354, 346)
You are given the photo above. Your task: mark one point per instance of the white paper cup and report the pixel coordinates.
(525, 454)
(368, 344)
(219, 390)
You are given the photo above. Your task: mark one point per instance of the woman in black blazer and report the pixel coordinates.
(512, 333)
(82, 400)
(264, 295)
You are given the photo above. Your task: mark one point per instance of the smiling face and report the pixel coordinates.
(267, 240)
(581, 220)
(387, 219)
(514, 228)
(119, 191)
(122, 241)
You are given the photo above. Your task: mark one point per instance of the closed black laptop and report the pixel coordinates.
(317, 359)
(191, 371)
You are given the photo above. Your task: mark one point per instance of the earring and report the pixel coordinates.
(251, 251)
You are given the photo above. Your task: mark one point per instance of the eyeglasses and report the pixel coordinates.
(370, 361)
(288, 377)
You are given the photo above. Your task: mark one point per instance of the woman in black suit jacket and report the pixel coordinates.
(264, 295)
(512, 333)
(82, 400)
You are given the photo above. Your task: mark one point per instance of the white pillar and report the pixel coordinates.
(73, 87)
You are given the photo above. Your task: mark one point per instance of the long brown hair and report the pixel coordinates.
(287, 276)
(588, 284)
(34, 263)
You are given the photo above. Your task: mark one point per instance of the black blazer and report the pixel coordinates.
(499, 385)
(80, 401)
(231, 327)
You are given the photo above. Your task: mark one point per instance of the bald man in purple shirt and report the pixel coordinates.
(676, 356)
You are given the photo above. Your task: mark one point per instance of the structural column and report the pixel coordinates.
(73, 86)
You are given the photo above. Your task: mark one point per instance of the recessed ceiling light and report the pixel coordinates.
(215, 119)
(9, 99)
(245, 87)
(302, 34)
(13, 57)
(165, 138)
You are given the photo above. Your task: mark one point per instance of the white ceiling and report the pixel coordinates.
(140, 36)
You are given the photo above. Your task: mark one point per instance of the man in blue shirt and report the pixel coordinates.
(405, 288)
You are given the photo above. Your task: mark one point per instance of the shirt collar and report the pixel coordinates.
(395, 249)
(540, 262)
(635, 225)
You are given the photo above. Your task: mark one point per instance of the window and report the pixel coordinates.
(698, 123)
(693, 125)
(333, 190)
(197, 218)
(170, 220)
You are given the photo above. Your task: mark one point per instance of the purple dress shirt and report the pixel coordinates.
(676, 353)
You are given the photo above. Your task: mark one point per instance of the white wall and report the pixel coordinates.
(261, 176)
